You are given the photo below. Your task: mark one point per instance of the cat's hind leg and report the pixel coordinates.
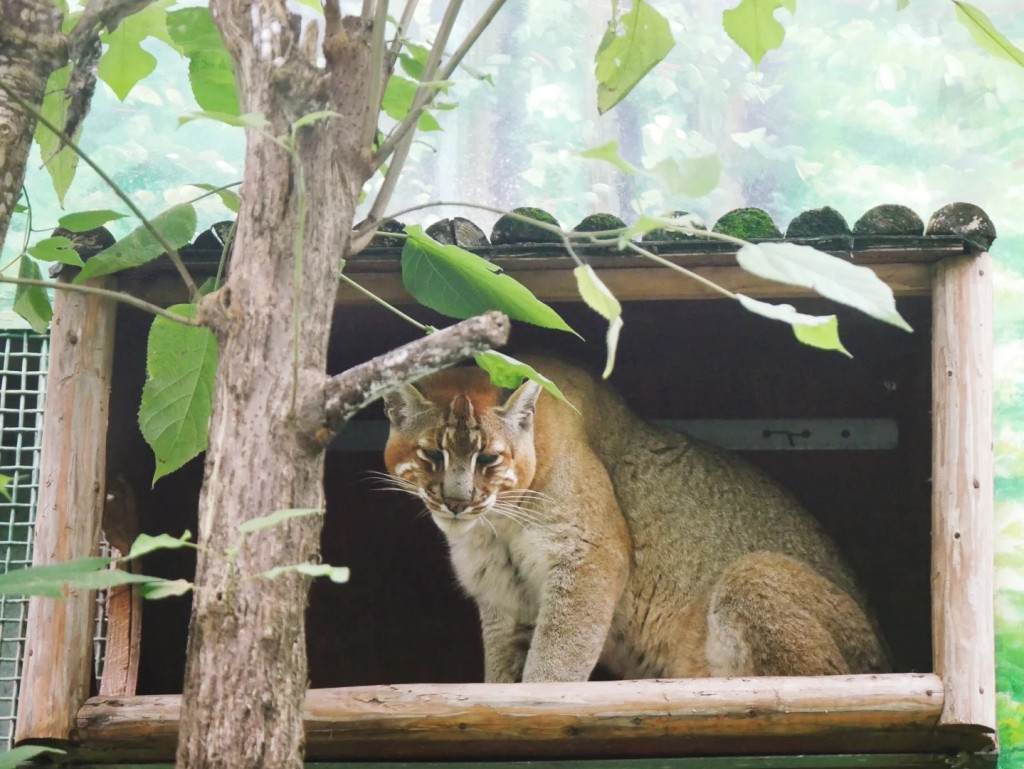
(772, 615)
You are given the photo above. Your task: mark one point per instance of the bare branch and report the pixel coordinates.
(410, 121)
(377, 74)
(403, 26)
(425, 93)
(353, 390)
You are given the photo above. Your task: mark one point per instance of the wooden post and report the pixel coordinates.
(58, 642)
(963, 637)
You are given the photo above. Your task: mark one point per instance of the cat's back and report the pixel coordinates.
(690, 507)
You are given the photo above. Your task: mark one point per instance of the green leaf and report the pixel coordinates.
(812, 330)
(454, 282)
(414, 60)
(210, 67)
(631, 47)
(165, 588)
(56, 249)
(689, 177)
(174, 417)
(248, 120)
(5, 482)
(17, 756)
(19, 208)
(83, 221)
(32, 302)
(509, 373)
(834, 278)
(902, 4)
(61, 166)
(753, 27)
(124, 63)
(49, 581)
(277, 517)
(609, 153)
(145, 544)
(177, 225)
(398, 96)
(984, 33)
(339, 574)
(229, 198)
(602, 301)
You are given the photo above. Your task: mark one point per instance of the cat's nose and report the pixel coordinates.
(456, 506)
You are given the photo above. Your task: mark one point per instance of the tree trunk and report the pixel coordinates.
(31, 48)
(246, 672)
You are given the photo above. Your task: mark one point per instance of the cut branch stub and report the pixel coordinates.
(347, 393)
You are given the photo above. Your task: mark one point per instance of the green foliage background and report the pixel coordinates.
(862, 105)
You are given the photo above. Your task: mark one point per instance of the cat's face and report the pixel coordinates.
(461, 447)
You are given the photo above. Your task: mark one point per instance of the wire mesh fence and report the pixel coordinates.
(23, 360)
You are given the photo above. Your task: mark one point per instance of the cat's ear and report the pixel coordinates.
(405, 407)
(521, 405)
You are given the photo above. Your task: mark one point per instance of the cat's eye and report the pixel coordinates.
(486, 460)
(434, 456)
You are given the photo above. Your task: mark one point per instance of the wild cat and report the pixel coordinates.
(591, 535)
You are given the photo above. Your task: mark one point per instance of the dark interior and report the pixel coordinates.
(401, 618)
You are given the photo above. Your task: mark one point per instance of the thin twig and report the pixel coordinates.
(400, 30)
(385, 304)
(117, 296)
(170, 250)
(681, 270)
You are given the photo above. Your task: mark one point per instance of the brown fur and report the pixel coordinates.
(591, 535)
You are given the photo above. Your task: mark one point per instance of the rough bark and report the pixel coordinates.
(31, 48)
(246, 671)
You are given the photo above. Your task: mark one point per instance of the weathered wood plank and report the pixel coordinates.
(962, 490)
(124, 602)
(638, 718)
(58, 643)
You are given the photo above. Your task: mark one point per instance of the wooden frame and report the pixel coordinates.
(951, 709)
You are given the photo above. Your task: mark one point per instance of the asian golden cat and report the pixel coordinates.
(590, 535)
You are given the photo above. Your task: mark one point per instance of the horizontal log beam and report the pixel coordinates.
(889, 713)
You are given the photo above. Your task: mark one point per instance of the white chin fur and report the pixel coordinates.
(452, 525)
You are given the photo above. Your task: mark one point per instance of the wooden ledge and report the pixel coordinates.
(835, 714)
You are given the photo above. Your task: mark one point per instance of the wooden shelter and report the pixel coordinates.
(891, 450)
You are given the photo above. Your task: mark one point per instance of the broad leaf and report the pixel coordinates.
(49, 581)
(61, 166)
(181, 362)
(397, 100)
(414, 60)
(631, 47)
(32, 302)
(602, 301)
(177, 225)
(145, 544)
(984, 33)
(5, 482)
(834, 278)
(902, 4)
(813, 330)
(339, 574)
(454, 282)
(229, 198)
(689, 177)
(125, 62)
(83, 221)
(509, 373)
(56, 249)
(23, 754)
(753, 27)
(277, 517)
(210, 67)
(609, 153)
